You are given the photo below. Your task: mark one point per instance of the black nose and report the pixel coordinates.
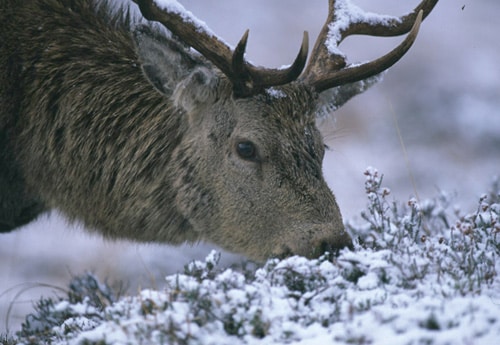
(332, 247)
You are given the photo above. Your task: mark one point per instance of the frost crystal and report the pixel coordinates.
(275, 93)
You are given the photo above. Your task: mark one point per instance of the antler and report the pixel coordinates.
(246, 78)
(327, 67)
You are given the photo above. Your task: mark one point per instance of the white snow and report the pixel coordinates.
(275, 93)
(174, 6)
(347, 13)
(398, 287)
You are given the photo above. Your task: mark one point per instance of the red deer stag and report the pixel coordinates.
(172, 136)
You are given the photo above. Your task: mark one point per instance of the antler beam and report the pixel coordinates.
(246, 78)
(327, 66)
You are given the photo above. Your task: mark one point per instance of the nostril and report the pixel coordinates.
(319, 241)
(321, 248)
(283, 253)
(332, 247)
(324, 246)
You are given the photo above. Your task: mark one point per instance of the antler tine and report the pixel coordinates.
(366, 70)
(390, 26)
(247, 79)
(327, 66)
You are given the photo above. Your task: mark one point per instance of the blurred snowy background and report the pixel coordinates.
(443, 97)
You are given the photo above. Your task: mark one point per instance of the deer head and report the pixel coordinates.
(188, 147)
(274, 111)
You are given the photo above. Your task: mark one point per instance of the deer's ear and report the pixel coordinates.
(198, 88)
(158, 78)
(164, 61)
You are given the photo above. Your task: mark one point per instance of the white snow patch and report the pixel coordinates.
(174, 6)
(346, 14)
(275, 93)
(187, 16)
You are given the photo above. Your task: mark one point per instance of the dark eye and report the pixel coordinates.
(246, 150)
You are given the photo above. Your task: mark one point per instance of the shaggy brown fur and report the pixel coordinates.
(131, 133)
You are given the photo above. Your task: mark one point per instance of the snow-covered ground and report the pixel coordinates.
(418, 275)
(444, 98)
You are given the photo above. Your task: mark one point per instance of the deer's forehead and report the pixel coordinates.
(286, 105)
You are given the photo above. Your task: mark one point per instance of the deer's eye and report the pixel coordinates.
(246, 150)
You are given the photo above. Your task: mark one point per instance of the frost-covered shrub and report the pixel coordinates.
(424, 243)
(420, 274)
(5, 340)
(81, 310)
